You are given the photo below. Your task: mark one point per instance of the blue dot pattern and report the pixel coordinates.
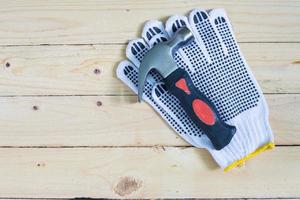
(225, 81)
(187, 127)
(131, 73)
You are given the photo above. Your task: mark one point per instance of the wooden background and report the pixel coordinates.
(69, 128)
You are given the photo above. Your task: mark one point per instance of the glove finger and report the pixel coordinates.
(128, 73)
(241, 84)
(154, 33)
(222, 23)
(203, 28)
(236, 57)
(178, 21)
(136, 50)
(173, 24)
(188, 130)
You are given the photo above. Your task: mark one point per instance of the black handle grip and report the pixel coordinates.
(199, 108)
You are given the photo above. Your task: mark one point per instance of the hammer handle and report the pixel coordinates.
(199, 108)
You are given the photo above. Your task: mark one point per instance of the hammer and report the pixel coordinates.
(178, 82)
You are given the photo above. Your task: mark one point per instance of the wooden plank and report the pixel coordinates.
(144, 172)
(89, 22)
(119, 121)
(69, 70)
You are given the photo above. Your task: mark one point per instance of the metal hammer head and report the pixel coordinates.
(160, 57)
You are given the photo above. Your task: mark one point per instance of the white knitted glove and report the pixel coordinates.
(217, 69)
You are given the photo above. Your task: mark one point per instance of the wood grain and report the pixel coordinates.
(90, 22)
(70, 128)
(144, 172)
(69, 70)
(119, 121)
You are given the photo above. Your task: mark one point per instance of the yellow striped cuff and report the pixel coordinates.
(239, 162)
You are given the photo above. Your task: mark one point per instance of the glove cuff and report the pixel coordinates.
(240, 162)
(253, 136)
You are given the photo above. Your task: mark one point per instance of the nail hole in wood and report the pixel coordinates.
(41, 164)
(7, 64)
(35, 107)
(99, 103)
(97, 71)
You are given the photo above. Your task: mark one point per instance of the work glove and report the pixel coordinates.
(219, 70)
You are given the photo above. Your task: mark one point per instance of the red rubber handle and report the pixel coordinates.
(199, 108)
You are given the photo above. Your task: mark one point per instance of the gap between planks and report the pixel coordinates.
(108, 95)
(120, 146)
(116, 22)
(126, 43)
(91, 198)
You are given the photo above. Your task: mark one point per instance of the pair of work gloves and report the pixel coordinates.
(219, 70)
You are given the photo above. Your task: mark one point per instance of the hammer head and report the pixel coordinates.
(160, 58)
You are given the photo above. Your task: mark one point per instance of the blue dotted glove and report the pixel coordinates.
(219, 70)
